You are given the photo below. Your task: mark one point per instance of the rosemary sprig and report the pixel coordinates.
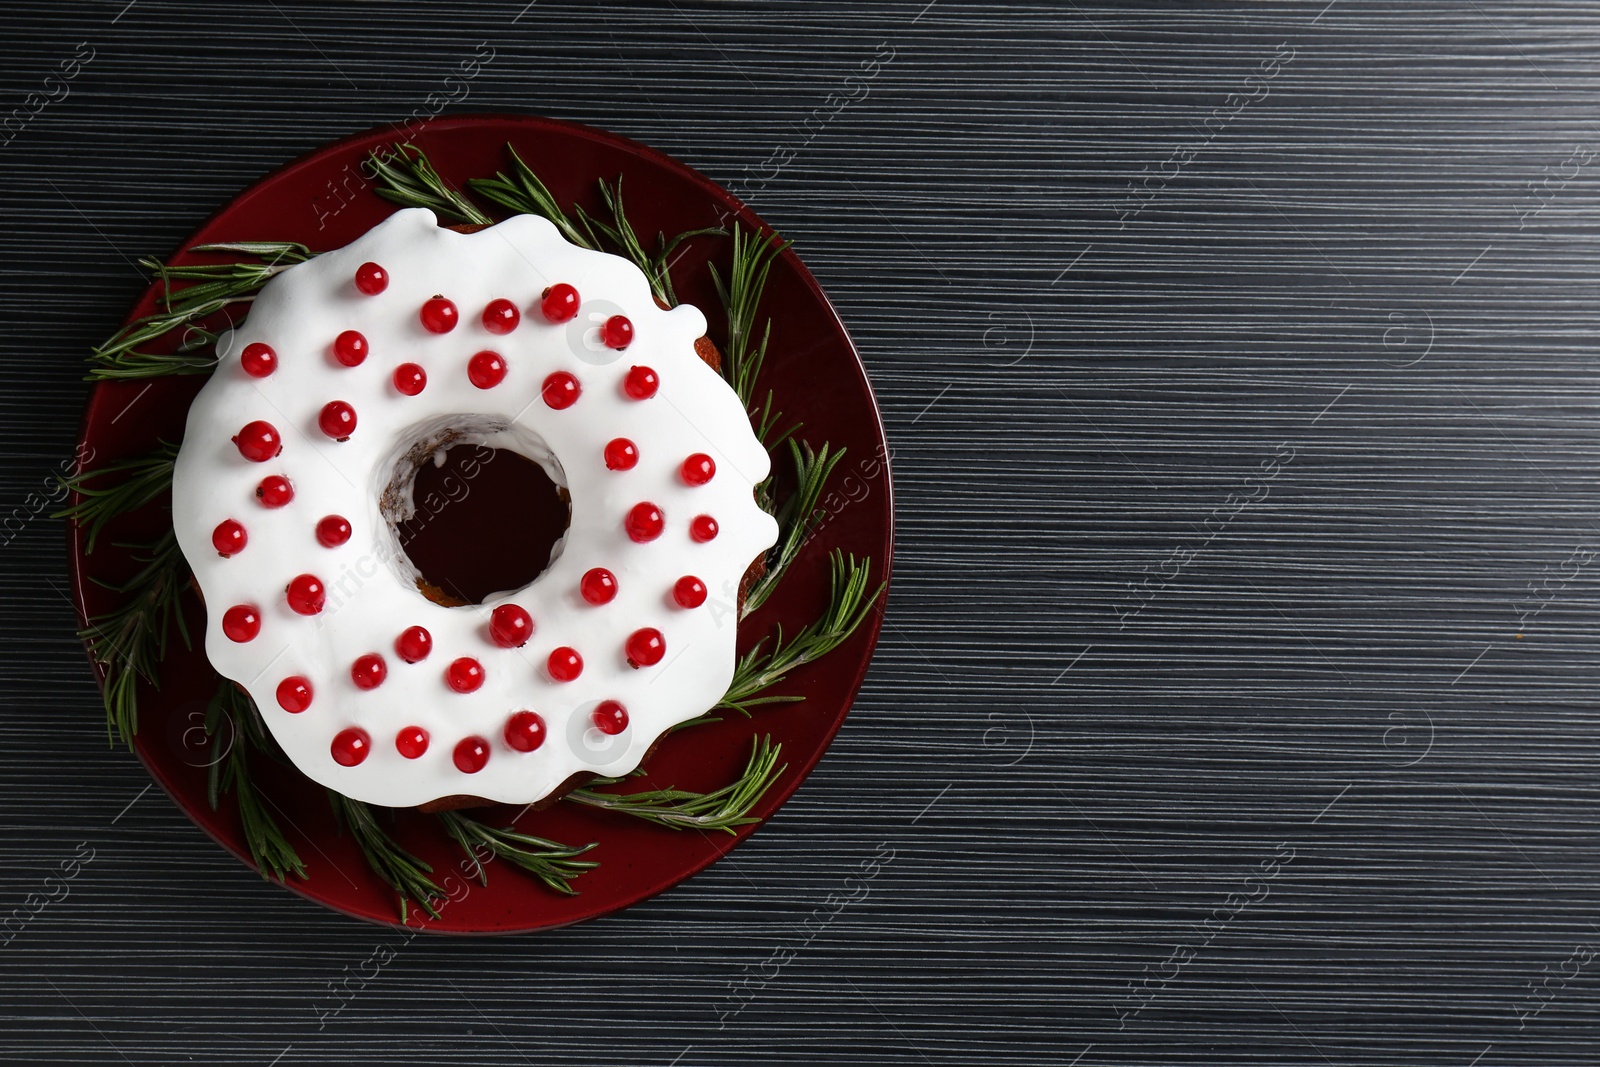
(762, 666)
(405, 874)
(406, 177)
(551, 862)
(525, 193)
(230, 773)
(620, 233)
(659, 268)
(214, 287)
(753, 256)
(147, 478)
(797, 518)
(765, 422)
(721, 809)
(131, 641)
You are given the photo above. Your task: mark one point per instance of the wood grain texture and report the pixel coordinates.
(1237, 699)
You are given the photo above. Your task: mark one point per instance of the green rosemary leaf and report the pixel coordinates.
(741, 293)
(753, 256)
(147, 477)
(766, 423)
(619, 229)
(122, 703)
(270, 850)
(628, 241)
(403, 872)
(797, 518)
(622, 234)
(151, 365)
(523, 192)
(406, 177)
(595, 233)
(230, 773)
(666, 247)
(271, 251)
(848, 604)
(474, 849)
(721, 809)
(197, 339)
(272, 254)
(130, 641)
(551, 862)
(213, 288)
(253, 728)
(661, 263)
(751, 364)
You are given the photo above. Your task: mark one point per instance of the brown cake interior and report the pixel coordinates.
(483, 521)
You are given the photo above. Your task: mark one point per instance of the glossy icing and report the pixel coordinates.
(371, 594)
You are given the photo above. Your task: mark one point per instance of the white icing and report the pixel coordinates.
(372, 594)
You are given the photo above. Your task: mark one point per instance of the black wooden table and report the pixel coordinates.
(1236, 702)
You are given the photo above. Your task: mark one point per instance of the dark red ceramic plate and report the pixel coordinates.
(813, 370)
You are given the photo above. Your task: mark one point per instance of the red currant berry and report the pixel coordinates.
(411, 742)
(525, 731)
(306, 594)
(559, 303)
(350, 746)
(439, 315)
(486, 370)
(350, 348)
(471, 754)
(464, 675)
(621, 455)
(599, 586)
(410, 379)
(369, 671)
(501, 316)
(645, 647)
(258, 359)
(371, 279)
(698, 469)
(414, 644)
(561, 390)
(689, 591)
(565, 664)
(333, 531)
(644, 522)
(259, 441)
(229, 538)
(641, 383)
(294, 694)
(703, 528)
(610, 717)
(241, 623)
(510, 626)
(274, 491)
(617, 332)
(338, 420)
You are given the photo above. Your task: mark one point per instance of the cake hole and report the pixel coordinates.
(486, 521)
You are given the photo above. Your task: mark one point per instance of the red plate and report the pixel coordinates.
(817, 379)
